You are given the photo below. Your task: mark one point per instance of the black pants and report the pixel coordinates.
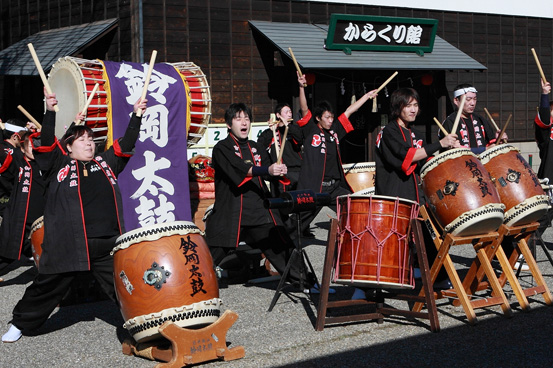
(276, 245)
(48, 290)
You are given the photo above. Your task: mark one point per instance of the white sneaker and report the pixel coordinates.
(12, 335)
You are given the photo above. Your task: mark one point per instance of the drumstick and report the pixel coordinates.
(539, 65)
(41, 72)
(147, 81)
(491, 119)
(277, 149)
(295, 63)
(504, 127)
(461, 105)
(387, 81)
(88, 101)
(29, 116)
(279, 160)
(440, 126)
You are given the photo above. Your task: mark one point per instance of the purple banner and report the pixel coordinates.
(154, 184)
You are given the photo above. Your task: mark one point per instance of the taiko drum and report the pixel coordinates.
(37, 237)
(360, 175)
(461, 194)
(373, 248)
(165, 273)
(518, 186)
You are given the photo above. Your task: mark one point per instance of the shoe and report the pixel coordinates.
(358, 294)
(12, 335)
(524, 266)
(315, 289)
(308, 234)
(417, 273)
(443, 285)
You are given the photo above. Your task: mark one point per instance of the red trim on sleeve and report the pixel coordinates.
(407, 166)
(45, 148)
(492, 141)
(6, 164)
(540, 123)
(343, 119)
(284, 181)
(117, 150)
(303, 121)
(246, 179)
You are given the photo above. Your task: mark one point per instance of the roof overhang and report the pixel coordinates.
(308, 45)
(50, 45)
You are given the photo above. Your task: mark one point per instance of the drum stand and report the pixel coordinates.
(380, 296)
(297, 252)
(521, 234)
(482, 245)
(189, 346)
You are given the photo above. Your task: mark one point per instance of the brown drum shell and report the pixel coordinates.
(360, 177)
(395, 269)
(37, 237)
(134, 262)
(474, 188)
(514, 179)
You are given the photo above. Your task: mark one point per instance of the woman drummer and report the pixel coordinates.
(82, 218)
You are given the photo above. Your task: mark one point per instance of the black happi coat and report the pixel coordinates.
(314, 151)
(65, 247)
(396, 173)
(544, 136)
(232, 187)
(478, 134)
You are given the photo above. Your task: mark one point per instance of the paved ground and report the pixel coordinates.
(89, 334)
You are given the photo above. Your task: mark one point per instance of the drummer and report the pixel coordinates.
(474, 131)
(544, 133)
(82, 217)
(10, 144)
(401, 151)
(26, 204)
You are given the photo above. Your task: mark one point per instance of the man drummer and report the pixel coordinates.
(544, 133)
(400, 153)
(10, 144)
(473, 130)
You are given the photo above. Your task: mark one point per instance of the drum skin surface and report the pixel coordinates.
(461, 193)
(360, 175)
(165, 272)
(518, 186)
(373, 249)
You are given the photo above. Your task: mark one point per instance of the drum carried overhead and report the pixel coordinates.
(360, 175)
(518, 186)
(73, 79)
(373, 250)
(164, 273)
(461, 194)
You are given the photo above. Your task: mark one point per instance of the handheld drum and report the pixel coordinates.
(373, 249)
(165, 273)
(37, 237)
(360, 175)
(518, 186)
(461, 194)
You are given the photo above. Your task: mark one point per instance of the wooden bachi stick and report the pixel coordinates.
(147, 81)
(88, 101)
(459, 112)
(387, 81)
(539, 65)
(491, 119)
(41, 72)
(499, 139)
(295, 62)
(29, 116)
(440, 126)
(279, 160)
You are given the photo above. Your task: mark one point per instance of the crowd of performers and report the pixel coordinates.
(75, 188)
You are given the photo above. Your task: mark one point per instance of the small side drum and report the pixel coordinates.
(518, 186)
(373, 249)
(165, 273)
(461, 194)
(360, 175)
(37, 237)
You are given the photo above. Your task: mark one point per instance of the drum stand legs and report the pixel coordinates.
(482, 245)
(380, 295)
(189, 346)
(298, 252)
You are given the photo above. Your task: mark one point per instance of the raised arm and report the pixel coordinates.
(303, 99)
(357, 104)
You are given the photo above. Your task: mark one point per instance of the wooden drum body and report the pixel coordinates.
(461, 194)
(165, 273)
(37, 237)
(373, 249)
(360, 175)
(518, 186)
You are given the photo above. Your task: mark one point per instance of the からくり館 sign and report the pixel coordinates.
(373, 33)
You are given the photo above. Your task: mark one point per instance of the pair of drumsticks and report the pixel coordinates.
(92, 93)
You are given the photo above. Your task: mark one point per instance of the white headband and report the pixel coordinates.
(462, 91)
(13, 128)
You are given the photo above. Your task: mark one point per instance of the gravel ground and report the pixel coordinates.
(90, 334)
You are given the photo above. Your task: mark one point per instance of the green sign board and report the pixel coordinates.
(349, 32)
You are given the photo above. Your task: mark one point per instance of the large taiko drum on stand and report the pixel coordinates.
(72, 79)
(373, 249)
(518, 186)
(165, 273)
(37, 237)
(360, 175)
(461, 194)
